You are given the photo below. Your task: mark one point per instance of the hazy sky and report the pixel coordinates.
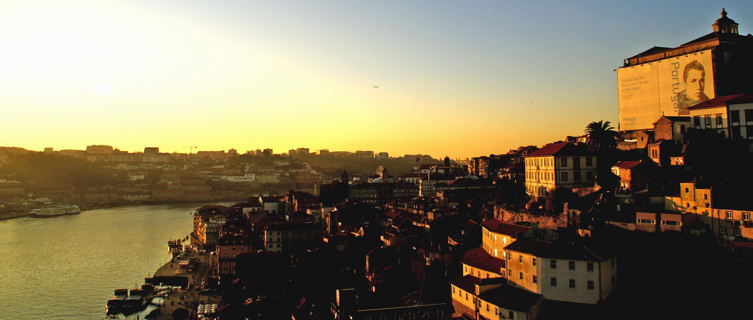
(457, 78)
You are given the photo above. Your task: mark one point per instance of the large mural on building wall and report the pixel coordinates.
(664, 87)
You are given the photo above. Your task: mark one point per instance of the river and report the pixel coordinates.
(66, 267)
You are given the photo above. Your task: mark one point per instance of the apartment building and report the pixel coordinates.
(283, 237)
(559, 165)
(488, 260)
(493, 299)
(561, 272)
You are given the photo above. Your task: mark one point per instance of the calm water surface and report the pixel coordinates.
(66, 267)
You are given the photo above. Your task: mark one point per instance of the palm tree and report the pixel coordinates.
(602, 140)
(601, 136)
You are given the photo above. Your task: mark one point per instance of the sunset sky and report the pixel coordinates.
(457, 78)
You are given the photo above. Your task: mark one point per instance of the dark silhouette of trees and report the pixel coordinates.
(601, 136)
(601, 139)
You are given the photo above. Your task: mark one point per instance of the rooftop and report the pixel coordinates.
(557, 251)
(627, 164)
(481, 259)
(509, 297)
(509, 229)
(560, 149)
(466, 283)
(724, 100)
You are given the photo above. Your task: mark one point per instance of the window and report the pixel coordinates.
(718, 120)
(571, 283)
(749, 131)
(735, 132)
(495, 252)
(746, 216)
(553, 264)
(534, 279)
(453, 290)
(553, 281)
(729, 214)
(734, 115)
(590, 285)
(748, 115)
(697, 121)
(487, 306)
(571, 265)
(509, 256)
(511, 315)
(509, 273)
(521, 276)
(563, 162)
(682, 129)
(589, 161)
(533, 260)
(520, 258)
(590, 267)
(707, 121)
(564, 176)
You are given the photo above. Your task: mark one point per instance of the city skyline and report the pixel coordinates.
(438, 79)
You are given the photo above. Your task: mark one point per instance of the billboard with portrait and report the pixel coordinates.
(664, 87)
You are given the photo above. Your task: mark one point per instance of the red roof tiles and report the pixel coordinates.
(497, 226)
(478, 258)
(560, 149)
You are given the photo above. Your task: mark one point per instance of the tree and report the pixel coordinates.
(601, 136)
(602, 140)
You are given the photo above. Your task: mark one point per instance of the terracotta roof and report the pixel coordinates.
(497, 226)
(627, 164)
(509, 297)
(559, 149)
(478, 258)
(723, 100)
(558, 251)
(534, 247)
(466, 283)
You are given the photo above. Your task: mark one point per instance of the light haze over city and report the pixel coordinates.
(434, 77)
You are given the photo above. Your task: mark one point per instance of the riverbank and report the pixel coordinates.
(187, 298)
(12, 215)
(15, 215)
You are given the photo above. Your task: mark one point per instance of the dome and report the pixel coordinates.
(725, 25)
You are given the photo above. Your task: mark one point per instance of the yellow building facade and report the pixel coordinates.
(559, 165)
